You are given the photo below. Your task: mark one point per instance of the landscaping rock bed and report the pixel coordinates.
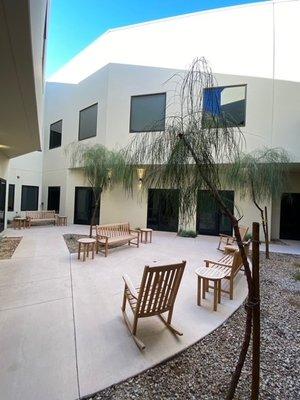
(203, 371)
(8, 246)
(71, 242)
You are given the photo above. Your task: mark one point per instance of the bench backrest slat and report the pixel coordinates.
(113, 230)
(47, 214)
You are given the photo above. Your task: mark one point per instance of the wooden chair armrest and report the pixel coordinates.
(130, 286)
(225, 236)
(134, 230)
(207, 262)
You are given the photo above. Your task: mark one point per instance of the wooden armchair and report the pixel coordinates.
(215, 271)
(228, 240)
(155, 296)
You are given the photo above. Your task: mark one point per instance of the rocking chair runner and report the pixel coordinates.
(155, 296)
(227, 239)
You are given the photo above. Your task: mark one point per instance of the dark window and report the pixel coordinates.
(88, 122)
(11, 197)
(30, 198)
(148, 113)
(55, 134)
(224, 106)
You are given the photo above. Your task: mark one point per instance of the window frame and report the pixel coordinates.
(37, 200)
(145, 95)
(230, 86)
(80, 111)
(55, 147)
(11, 185)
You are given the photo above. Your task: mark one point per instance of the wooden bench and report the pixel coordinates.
(41, 216)
(113, 234)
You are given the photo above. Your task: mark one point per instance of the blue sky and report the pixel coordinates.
(74, 24)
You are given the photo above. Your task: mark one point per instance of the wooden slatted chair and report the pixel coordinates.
(226, 268)
(155, 296)
(228, 240)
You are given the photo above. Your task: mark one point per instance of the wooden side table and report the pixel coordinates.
(145, 232)
(205, 275)
(85, 245)
(20, 222)
(61, 220)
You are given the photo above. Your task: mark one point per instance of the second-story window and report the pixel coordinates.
(224, 106)
(88, 122)
(55, 134)
(148, 113)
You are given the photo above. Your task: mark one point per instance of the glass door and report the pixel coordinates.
(210, 219)
(53, 198)
(84, 206)
(2, 203)
(163, 209)
(290, 216)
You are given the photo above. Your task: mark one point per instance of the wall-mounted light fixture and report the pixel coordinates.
(140, 174)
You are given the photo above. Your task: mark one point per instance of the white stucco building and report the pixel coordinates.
(118, 83)
(23, 30)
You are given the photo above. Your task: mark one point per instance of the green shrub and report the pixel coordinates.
(248, 236)
(188, 233)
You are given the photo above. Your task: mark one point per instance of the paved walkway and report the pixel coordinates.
(62, 335)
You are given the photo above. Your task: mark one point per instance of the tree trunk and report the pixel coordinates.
(97, 200)
(247, 336)
(256, 314)
(267, 241)
(264, 221)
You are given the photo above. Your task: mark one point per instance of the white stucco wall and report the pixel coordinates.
(25, 170)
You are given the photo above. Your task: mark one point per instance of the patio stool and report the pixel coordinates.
(145, 231)
(87, 244)
(62, 220)
(20, 222)
(205, 275)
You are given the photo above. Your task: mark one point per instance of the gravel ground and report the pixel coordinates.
(8, 246)
(203, 370)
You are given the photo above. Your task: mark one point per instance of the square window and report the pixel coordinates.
(148, 113)
(30, 198)
(11, 197)
(55, 134)
(224, 106)
(88, 122)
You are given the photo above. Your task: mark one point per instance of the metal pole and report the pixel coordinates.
(255, 313)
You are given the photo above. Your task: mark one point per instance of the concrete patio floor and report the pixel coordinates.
(62, 334)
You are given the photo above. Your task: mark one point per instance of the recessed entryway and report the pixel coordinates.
(84, 206)
(163, 209)
(53, 198)
(210, 219)
(290, 216)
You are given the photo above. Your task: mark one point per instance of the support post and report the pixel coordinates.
(255, 313)
(267, 234)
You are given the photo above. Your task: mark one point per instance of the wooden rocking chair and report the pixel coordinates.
(155, 296)
(229, 240)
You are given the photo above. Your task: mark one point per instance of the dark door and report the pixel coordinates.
(53, 198)
(84, 206)
(290, 216)
(163, 209)
(210, 219)
(2, 203)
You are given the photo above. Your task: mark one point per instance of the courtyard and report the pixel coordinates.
(63, 335)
